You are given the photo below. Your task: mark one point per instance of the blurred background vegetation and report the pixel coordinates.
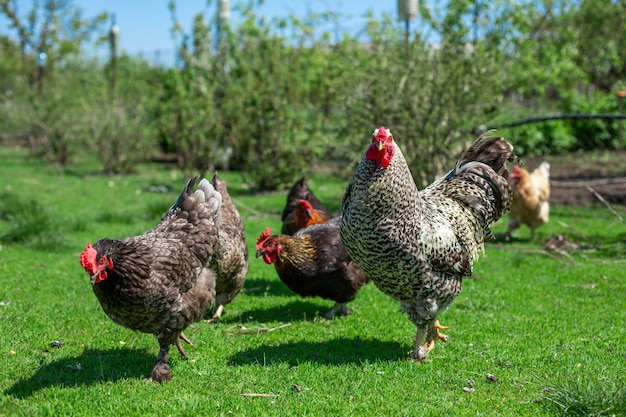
(274, 98)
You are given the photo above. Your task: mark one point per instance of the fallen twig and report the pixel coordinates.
(583, 183)
(606, 204)
(259, 330)
(251, 394)
(253, 289)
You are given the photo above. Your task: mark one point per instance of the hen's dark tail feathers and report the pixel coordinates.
(205, 193)
(186, 191)
(300, 191)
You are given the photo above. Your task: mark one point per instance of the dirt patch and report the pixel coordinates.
(572, 174)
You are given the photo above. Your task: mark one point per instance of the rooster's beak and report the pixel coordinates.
(259, 253)
(381, 145)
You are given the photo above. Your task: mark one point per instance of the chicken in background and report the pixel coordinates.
(298, 214)
(416, 246)
(531, 195)
(231, 258)
(313, 263)
(159, 282)
(304, 215)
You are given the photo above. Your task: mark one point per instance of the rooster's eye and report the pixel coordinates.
(102, 261)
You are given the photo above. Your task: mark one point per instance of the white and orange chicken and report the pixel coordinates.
(531, 195)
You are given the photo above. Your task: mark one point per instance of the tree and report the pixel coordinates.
(54, 27)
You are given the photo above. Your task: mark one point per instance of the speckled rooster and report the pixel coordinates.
(417, 246)
(159, 282)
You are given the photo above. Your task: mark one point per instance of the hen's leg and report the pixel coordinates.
(218, 314)
(339, 309)
(344, 310)
(161, 371)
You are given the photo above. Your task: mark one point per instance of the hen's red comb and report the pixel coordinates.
(305, 204)
(88, 259)
(264, 236)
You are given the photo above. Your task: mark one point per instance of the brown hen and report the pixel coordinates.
(159, 282)
(417, 246)
(313, 263)
(302, 209)
(231, 259)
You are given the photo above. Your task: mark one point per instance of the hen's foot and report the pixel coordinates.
(339, 309)
(161, 372)
(180, 347)
(217, 315)
(420, 353)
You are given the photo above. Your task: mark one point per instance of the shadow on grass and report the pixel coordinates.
(91, 367)
(261, 287)
(300, 309)
(334, 352)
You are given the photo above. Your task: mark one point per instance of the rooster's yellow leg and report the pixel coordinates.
(420, 353)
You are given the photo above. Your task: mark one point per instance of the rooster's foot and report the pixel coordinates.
(433, 335)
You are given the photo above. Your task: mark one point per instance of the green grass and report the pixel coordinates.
(548, 326)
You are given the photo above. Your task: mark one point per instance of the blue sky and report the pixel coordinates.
(145, 24)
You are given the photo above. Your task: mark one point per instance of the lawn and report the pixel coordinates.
(534, 332)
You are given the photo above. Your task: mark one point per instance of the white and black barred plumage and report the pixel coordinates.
(416, 246)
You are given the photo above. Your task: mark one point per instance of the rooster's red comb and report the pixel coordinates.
(264, 236)
(88, 259)
(381, 136)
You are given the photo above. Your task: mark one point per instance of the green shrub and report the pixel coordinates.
(31, 224)
(593, 133)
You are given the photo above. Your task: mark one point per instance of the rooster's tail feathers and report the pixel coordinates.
(484, 165)
(492, 151)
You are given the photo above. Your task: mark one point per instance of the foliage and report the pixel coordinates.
(432, 97)
(189, 114)
(121, 114)
(269, 108)
(54, 27)
(52, 119)
(593, 133)
(274, 98)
